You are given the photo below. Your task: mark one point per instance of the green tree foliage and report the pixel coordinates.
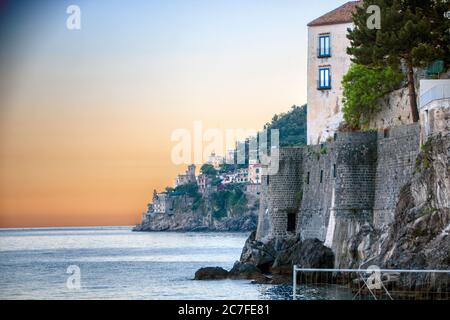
(363, 87)
(225, 168)
(292, 132)
(230, 201)
(216, 181)
(413, 32)
(208, 169)
(291, 125)
(189, 189)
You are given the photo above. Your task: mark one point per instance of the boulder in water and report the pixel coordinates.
(211, 273)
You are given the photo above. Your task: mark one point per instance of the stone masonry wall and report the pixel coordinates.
(283, 190)
(394, 111)
(356, 155)
(264, 227)
(356, 158)
(346, 190)
(397, 152)
(337, 187)
(318, 182)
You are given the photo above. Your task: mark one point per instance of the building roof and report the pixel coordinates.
(343, 14)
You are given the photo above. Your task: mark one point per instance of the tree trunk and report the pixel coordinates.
(412, 93)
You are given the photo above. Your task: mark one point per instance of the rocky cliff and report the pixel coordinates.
(187, 215)
(197, 221)
(419, 236)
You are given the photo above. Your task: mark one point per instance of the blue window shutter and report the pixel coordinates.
(324, 78)
(324, 46)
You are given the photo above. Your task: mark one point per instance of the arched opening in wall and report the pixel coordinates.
(321, 176)
(307, 178)
(291, 221)
(386, 133)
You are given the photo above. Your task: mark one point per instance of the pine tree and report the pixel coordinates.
(413, 34)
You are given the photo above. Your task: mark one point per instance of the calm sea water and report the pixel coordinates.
(116, 263)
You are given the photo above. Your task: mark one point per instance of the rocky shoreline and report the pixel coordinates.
(272, 262)
(196, 222)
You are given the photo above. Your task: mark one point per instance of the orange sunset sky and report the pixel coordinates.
(86, 116)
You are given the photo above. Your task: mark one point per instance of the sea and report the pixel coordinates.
(117, 263)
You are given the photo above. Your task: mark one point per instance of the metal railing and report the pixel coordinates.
(438, 92)
(370, 284)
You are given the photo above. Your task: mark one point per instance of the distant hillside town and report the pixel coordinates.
(224, 195)
(215, 175)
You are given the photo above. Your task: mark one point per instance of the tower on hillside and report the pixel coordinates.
(328, 62)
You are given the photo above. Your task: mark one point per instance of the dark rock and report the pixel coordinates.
(310, 253)
(211, 273)
(281, 279)
(279, 257)
(237, 224)
(194, 221)
(245, 271)
(199, 229)
(258, 254)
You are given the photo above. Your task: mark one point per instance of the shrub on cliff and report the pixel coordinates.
(291, 125)
(363, 87)
(190, 190)
(229, 201)
(208, 169)
(413, 33)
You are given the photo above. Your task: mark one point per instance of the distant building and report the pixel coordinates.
(328, 62)
(205, 186)
(238, 176)
(188, 177)
(242, 175)
(254, 173)
(215, 160)
(160, 202)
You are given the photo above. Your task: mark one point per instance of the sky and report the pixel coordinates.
(86, 116)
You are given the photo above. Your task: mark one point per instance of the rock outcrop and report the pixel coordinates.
(211, 273)
(310, 253)
(185, 213)
(246, 271)
(259, 254)
(272, 262)
(192, 221)
(419, 236)
(240, 271)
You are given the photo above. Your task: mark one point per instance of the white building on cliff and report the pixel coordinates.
(328, 62)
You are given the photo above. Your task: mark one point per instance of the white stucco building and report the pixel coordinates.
(328, 62)
(434, 107)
